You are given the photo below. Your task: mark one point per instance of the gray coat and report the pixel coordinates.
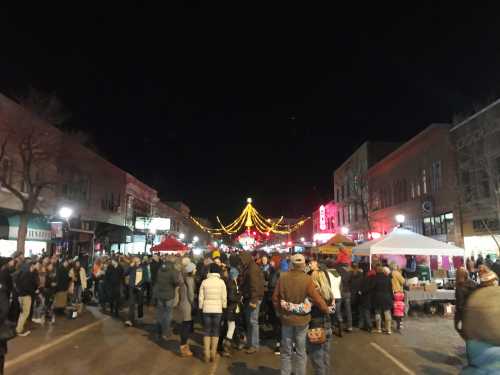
(183, 311)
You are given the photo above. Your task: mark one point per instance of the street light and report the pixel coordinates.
(182, 236)
(65, 212)
(215, 244)
(302, 239)
(195, 239)
(400, 220)
(344, 231)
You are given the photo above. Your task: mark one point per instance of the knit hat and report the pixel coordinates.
(298, 259)
(185, 261)
(488, 277)
(481, 321)
(189, 268)
(215, 254)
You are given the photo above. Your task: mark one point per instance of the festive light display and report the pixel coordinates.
(249, 218)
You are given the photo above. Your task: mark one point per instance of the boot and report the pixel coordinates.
(188, 350)
(226, 352)
(379, 325)
(213, 348)
(388, 326)
(185, 352)
(206, 349)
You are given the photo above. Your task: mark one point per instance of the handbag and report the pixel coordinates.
(316, 336)
(7, 331)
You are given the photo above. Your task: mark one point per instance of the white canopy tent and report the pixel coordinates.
(405, 242)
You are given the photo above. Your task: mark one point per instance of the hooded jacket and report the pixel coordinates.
(167, 279)
(253, 279)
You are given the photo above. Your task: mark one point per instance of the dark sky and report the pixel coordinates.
(211, 105)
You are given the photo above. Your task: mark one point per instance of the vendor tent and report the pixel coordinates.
(335, 243)
(405, 242)
(170, 244)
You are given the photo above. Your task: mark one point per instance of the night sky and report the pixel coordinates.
(211, 105)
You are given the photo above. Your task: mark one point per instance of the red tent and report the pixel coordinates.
(170, 244)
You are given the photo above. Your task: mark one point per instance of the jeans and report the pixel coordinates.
(164, 310)
(186, 329)
(320, 355)
(25, 303)
(378, 316)
(135, 298)
(289, 335)
(338, 311)
(252, 320)
(346, 302)
(365, 318)
(211, 324)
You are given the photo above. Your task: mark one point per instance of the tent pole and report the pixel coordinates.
(370, 256)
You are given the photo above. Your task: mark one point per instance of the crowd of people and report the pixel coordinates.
(298, 303)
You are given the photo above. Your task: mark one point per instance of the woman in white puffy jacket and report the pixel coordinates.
(212, 300)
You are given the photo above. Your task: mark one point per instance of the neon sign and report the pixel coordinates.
(322, 218)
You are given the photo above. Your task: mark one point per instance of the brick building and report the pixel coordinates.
(350, 187)
(476, 140)
(417, 180)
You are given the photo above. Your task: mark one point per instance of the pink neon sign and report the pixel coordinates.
(322, 218)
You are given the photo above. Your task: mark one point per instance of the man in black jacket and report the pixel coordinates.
(346, 276)
(26, 285)
(164, 291)
(253, 293)
(496, 267)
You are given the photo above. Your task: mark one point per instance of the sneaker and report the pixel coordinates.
(277, 349)
(53, 320)
(128, 323)
(37, 321)
(378, 331)
(24, 334)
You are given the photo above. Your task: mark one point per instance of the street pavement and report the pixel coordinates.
(97, 344)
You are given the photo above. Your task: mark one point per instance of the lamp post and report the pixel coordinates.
(400, 219)
(65, 213)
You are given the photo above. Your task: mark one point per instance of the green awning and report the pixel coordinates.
(35, 222)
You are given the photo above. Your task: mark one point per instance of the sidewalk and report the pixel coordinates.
(41, 336)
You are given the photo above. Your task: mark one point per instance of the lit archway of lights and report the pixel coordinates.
(249, 218)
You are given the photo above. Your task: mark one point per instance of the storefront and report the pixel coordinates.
(37, 240)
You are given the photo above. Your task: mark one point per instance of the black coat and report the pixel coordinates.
(26, 283)
(366, 292)
(62, 279)
(462, 292)
(234, 299)
(356, 283)
(113, 281)
(154, 266)
(496, 268)
(346, 276)
(382, 292)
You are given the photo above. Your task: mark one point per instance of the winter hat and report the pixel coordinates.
(233, 273)
(298, 259)
(387, 270)
(284, 266)
(215, 254)
(488, 278)
(185, 261)
(214, 268)
(190, 267)
(481, 321)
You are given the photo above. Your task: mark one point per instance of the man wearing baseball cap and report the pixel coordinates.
(293, 288)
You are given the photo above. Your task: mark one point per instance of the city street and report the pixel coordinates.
(96, 344)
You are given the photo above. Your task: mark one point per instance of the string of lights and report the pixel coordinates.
(249, 218)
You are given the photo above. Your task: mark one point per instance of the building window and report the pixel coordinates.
(424, 181)
(484, 184)
(418, 190)
(338, 195)
(355, 212)
(412, 190)
(338, 216)
(436, 176)
(342, 193)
